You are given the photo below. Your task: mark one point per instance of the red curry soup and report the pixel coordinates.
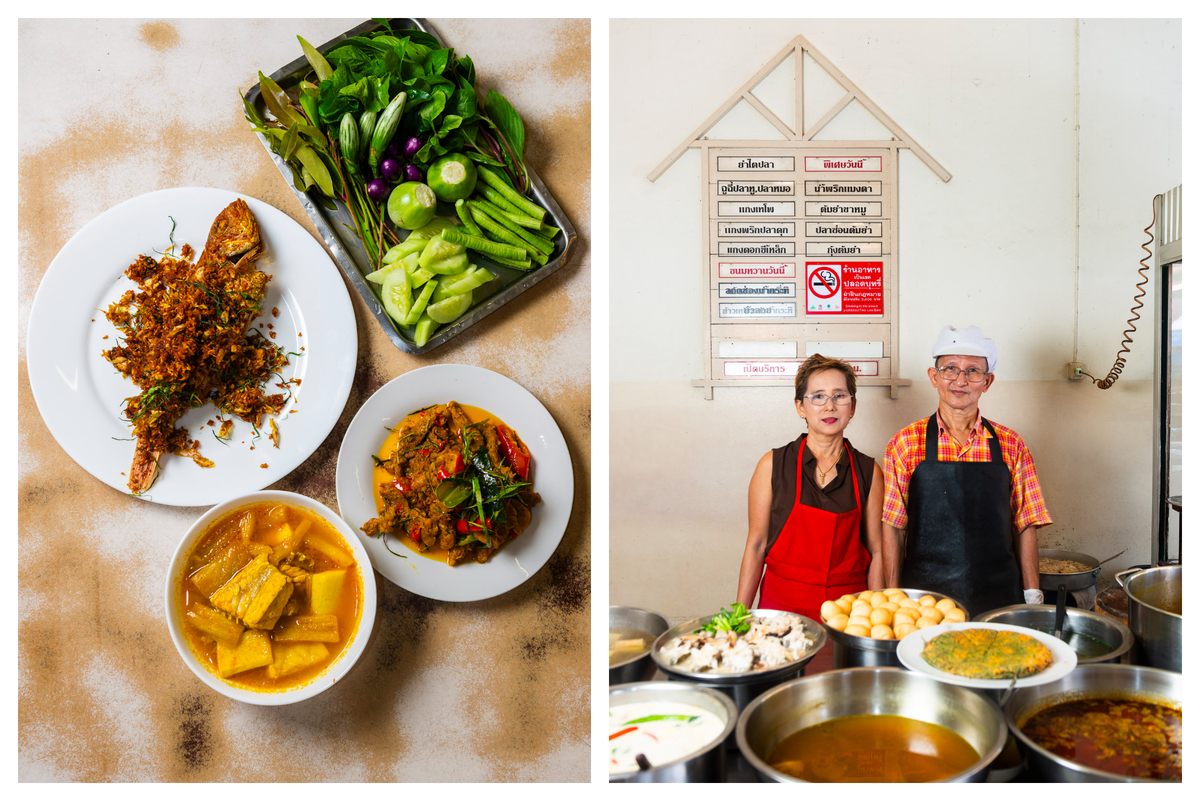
(272, 595)
(1126, 735)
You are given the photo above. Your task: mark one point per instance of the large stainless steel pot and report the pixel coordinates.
(807, 701)
(741, 687)
(851, 651)
(1079, 623)
(706, 764)
(1084, 681)
(1156, 614)
(635, 667)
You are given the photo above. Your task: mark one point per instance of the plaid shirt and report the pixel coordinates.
(907, 449)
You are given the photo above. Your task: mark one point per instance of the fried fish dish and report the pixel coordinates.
(185, 340)
(987, 654)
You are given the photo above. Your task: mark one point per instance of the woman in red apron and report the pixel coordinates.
(815, 505)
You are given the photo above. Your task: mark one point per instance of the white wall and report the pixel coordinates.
(994, 102)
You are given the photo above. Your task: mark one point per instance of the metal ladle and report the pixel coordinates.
(1060, 608)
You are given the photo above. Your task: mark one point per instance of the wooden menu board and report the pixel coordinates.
(800, 240)
(800, 247)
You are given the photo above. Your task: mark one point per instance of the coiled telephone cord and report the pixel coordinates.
(1127, 335)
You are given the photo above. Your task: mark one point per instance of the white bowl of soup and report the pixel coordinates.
(270, 598)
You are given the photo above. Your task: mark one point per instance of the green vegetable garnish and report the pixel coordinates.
(736, 620)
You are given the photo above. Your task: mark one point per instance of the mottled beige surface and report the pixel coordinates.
(495, 690)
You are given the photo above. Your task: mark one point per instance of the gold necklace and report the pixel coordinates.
(822, 473)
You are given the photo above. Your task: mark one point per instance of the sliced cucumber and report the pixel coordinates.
(418, 307)
(458, 284)
(425, 328)
(451, 265)
(396, 294)
(449, 309)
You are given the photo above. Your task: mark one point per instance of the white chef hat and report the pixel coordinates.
(968, 341)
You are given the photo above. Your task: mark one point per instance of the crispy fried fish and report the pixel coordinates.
(188, 340)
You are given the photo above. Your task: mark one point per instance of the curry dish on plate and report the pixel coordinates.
(987, 654)
(185, 340)
(454, 486)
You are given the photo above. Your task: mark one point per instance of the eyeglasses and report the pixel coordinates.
(951, 373)
(821, 398)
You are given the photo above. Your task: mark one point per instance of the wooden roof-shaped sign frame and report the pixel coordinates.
(799, 237)
(800, 131)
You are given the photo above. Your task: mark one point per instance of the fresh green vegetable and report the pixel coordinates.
(366, 126)
(452, 177)
(736, 619)
(411, 205)
(385, 129)
(424, 329)
(524, 238)
(439, 249)
(500, 233)
(450, 265)
(318, 62)
(418, 306)
(348, 139)
(450, 309)
(653, 718)
(465, 282)
(512, 219)
(396, 294)
(486, 246)
(514, 197)
(468, 221)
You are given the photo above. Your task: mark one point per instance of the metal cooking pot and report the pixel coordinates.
(636, 667)
(1156, 614)
(807, 701)
(1079, 623)
(1084, 681)
(706, 764)
(741, 687)
(1080, 580)
(852, 651)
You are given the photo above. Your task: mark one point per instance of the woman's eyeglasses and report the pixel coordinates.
(822, 398)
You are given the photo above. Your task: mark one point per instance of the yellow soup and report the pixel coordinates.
(271, 596)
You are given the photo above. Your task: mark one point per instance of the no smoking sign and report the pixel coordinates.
(848, 288)
(824, 288)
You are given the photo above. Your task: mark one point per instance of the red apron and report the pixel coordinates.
(819, 555)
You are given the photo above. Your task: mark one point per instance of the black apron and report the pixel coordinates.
(959, 539)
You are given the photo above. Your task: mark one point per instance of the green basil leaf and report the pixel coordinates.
(507, 120)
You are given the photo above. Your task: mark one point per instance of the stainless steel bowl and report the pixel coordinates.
(638, 667)
(805, 702)
(706, 764)
(741, 687)
(1078, 623)
(851, 651)
(1082, 682)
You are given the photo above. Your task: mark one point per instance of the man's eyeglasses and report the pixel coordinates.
(821, 398)
(951, 373)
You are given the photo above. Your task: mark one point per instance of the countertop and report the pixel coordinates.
(485, 691)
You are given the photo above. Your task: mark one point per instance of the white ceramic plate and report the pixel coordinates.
(553, 479)
(909, 652)
(80, 394)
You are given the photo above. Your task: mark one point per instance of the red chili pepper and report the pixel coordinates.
(460, 526)
(414, 535)
(402, 486)
(617, 734)
(514, 451)
(457, 467)
(424, 451)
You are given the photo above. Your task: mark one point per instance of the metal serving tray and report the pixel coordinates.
(337, 226)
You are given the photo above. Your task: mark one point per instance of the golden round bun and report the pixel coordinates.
(838, 622)
(881, 616)
(904, 617)
(861, 621)
(924, 623)
(945, 605)
(829, 609)
(908, 603)
(932, 613)
(903, 629)
(882, 632)
(843, 605)
(955, 615)
(927, 600)
(858, 631)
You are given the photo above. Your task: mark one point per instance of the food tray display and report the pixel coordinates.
(337, 229)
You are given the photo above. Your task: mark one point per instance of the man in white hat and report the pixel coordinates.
(962, 501)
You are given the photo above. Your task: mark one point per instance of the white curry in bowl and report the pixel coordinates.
(270, 598)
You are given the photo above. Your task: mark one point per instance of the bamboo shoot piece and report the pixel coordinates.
(307, 628)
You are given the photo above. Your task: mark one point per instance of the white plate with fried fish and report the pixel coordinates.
(306, 312)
